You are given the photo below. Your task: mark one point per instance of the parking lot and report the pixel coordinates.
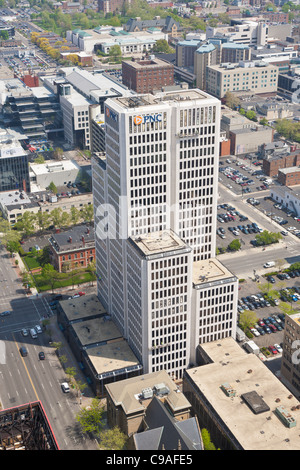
(242, 176)
(251, 297)
(233, 224)
(283, 219)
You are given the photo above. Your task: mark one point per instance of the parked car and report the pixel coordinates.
(273, 350)
(254, 331)
(5, 313)
(278, 347)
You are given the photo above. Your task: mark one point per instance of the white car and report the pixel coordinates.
(65, 387)
(279, 348)
(38, 329)
(254, 332)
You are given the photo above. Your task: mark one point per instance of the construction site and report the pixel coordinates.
(26, 427)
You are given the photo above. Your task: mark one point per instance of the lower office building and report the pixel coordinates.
(103, 354)
(14, 170)
(258, 77)
(240, 401)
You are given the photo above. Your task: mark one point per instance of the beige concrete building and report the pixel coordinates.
(257, 77)
(242, 404)
(96, 342)
(127, 400)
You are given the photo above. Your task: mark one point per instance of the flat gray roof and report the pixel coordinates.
(246, 373)
(82, 307)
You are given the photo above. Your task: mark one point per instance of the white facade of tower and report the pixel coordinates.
(160, 175)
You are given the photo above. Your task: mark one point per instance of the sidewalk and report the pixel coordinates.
(58, 337)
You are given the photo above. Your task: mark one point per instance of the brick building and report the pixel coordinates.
(289, 176)
(110, 6)
(72, 249)
(276, 17)
(146, 75)
(272, 165)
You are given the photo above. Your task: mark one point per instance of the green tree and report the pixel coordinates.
(162, 45)
(115, 52)
(26, 223)
(58, 153)
(55, 215)
(267, 238)
(235, 245)
(91, 269)
(247, 319)
(4, 35)
(39, 159)
(88, 212)
(50, 275)
(251, 115)
(113, 439)
(263, 122)
(13, 246)
(79, 386)
(42, 219)
(91, 419)
(74, 215)
(52, 187)
(27, 280)
(207, 444)
(7, 234)
(231, 100)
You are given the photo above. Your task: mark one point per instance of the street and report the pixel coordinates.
(245, 261)
(25, 379)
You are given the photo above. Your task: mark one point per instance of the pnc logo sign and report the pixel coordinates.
(138, 120)
(148, 118)
(110, 114)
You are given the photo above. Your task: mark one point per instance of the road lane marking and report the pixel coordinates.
(37, 397)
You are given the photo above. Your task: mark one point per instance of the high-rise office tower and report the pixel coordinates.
(155, 198)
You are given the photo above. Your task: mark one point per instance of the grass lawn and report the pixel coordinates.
(32, 261)
(79, 278)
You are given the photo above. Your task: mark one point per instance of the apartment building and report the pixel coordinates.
(286, 159)
(257, 77)
(155, 198)
(234, 53)
(289, 176)
(148, 74)
(205, 55)
(185, 51)
(111, 6)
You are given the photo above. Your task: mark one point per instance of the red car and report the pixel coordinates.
(81, 293)
(273, 350)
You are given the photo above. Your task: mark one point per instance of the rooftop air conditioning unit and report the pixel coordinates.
(147, 392)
